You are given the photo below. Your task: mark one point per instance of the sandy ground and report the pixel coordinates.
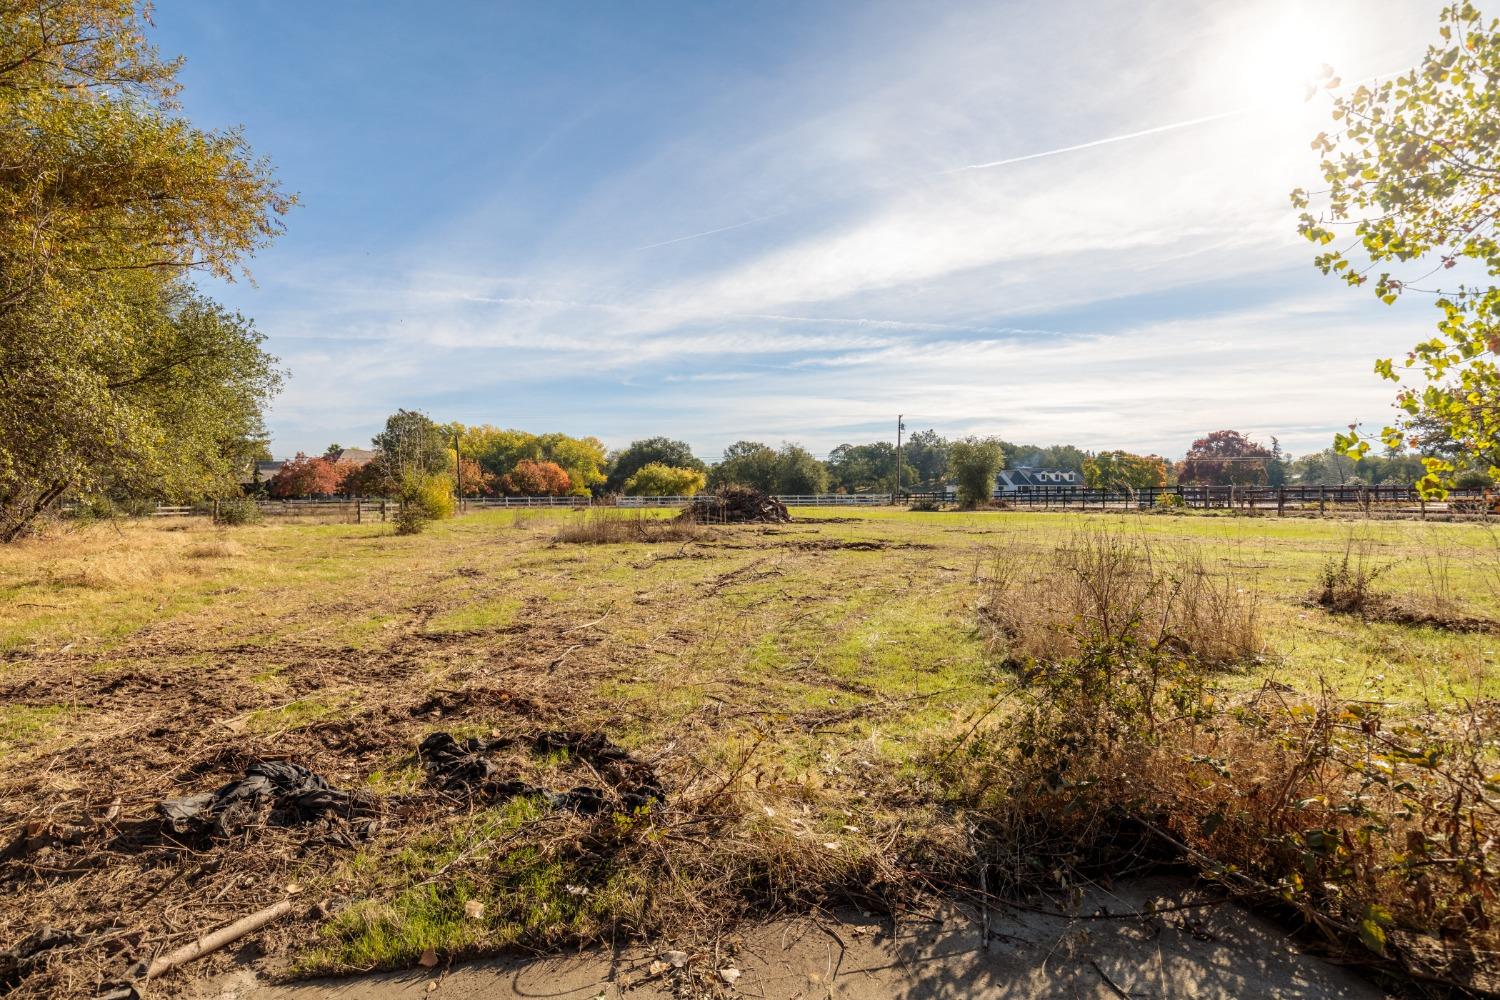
(1107, 951)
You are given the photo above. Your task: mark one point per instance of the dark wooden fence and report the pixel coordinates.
(1321, 499)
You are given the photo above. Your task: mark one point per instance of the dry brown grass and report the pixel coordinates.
(600, 528)
(218, 548)
(1121, 754)
(1102, 588)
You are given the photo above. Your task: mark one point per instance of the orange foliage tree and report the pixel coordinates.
(536, 479)
(304, 477)
(474, 480)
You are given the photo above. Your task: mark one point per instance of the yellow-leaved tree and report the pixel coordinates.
(116, 377)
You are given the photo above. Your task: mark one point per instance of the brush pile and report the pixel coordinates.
(736, 505)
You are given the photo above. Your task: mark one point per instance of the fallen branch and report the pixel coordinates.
(210, 943)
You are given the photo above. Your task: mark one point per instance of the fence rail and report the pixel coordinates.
(1296, 499)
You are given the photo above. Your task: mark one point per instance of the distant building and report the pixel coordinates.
(1025, 479)
(260, 473)
(355, 456)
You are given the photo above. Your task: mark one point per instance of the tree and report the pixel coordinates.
(746, 463)
(798, 473)
(475, 480)
(1330, 467)
(584, 459)
(660, 450)
(536, 479)
(367, 480)
(1226, 458)
(658, 480)
(411, 446)
(308, 477)
(974, 463)
(115, 376)
(863, 468)
(1411, 181)
(499, 451)
(1121, 471)
(1279, 467)
(1057, 456)
(926, 457)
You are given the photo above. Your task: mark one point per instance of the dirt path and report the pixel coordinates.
(1199, 952)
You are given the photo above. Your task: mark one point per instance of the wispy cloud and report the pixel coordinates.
(1046, 226)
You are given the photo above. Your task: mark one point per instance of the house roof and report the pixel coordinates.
(1026, 476)
(261, 471)
(357, 456)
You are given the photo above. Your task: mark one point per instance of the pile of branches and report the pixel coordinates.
(736, 505)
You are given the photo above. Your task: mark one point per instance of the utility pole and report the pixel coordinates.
(899, 428)
(458, 472)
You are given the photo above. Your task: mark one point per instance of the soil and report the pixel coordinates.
(1112, 947)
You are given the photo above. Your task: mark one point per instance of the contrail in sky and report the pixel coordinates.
(710, 232)
(981, 166)
(1098, 142)
(1189, 123)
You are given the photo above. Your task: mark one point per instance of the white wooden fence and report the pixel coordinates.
(380, 510)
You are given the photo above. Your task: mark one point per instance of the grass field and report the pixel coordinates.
(787, 683)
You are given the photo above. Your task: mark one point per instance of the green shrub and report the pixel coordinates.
(424, 498)
(239, 510)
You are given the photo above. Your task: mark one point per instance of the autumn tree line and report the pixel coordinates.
(482, 461)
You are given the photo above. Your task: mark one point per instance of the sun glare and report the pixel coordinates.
(1283, 58)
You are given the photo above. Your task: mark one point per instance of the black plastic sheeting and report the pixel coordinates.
(272, 792)
(466, 767)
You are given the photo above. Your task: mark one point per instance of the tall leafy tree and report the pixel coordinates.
(863, 468)
(660, 450)
(1412, 198)
(1121, 471)
(746, 463)
(798, 473)
(975, 462)
(925, 457)
(113, 374)
(412, 446)
(1226, 458)
(499, 451)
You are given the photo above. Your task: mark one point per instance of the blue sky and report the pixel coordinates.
(790, 221)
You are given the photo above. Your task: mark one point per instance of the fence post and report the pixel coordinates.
(1281, 502)
(216, 510)
(1366, 491)
(1322, 501)
(382, 510)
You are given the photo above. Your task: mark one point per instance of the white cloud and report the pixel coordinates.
(797, 259)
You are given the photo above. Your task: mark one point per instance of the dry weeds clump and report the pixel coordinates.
(218, 548)
(1347, 585)
(101, 557)
(1103, 590)
(599, 528)
(1373, 832)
